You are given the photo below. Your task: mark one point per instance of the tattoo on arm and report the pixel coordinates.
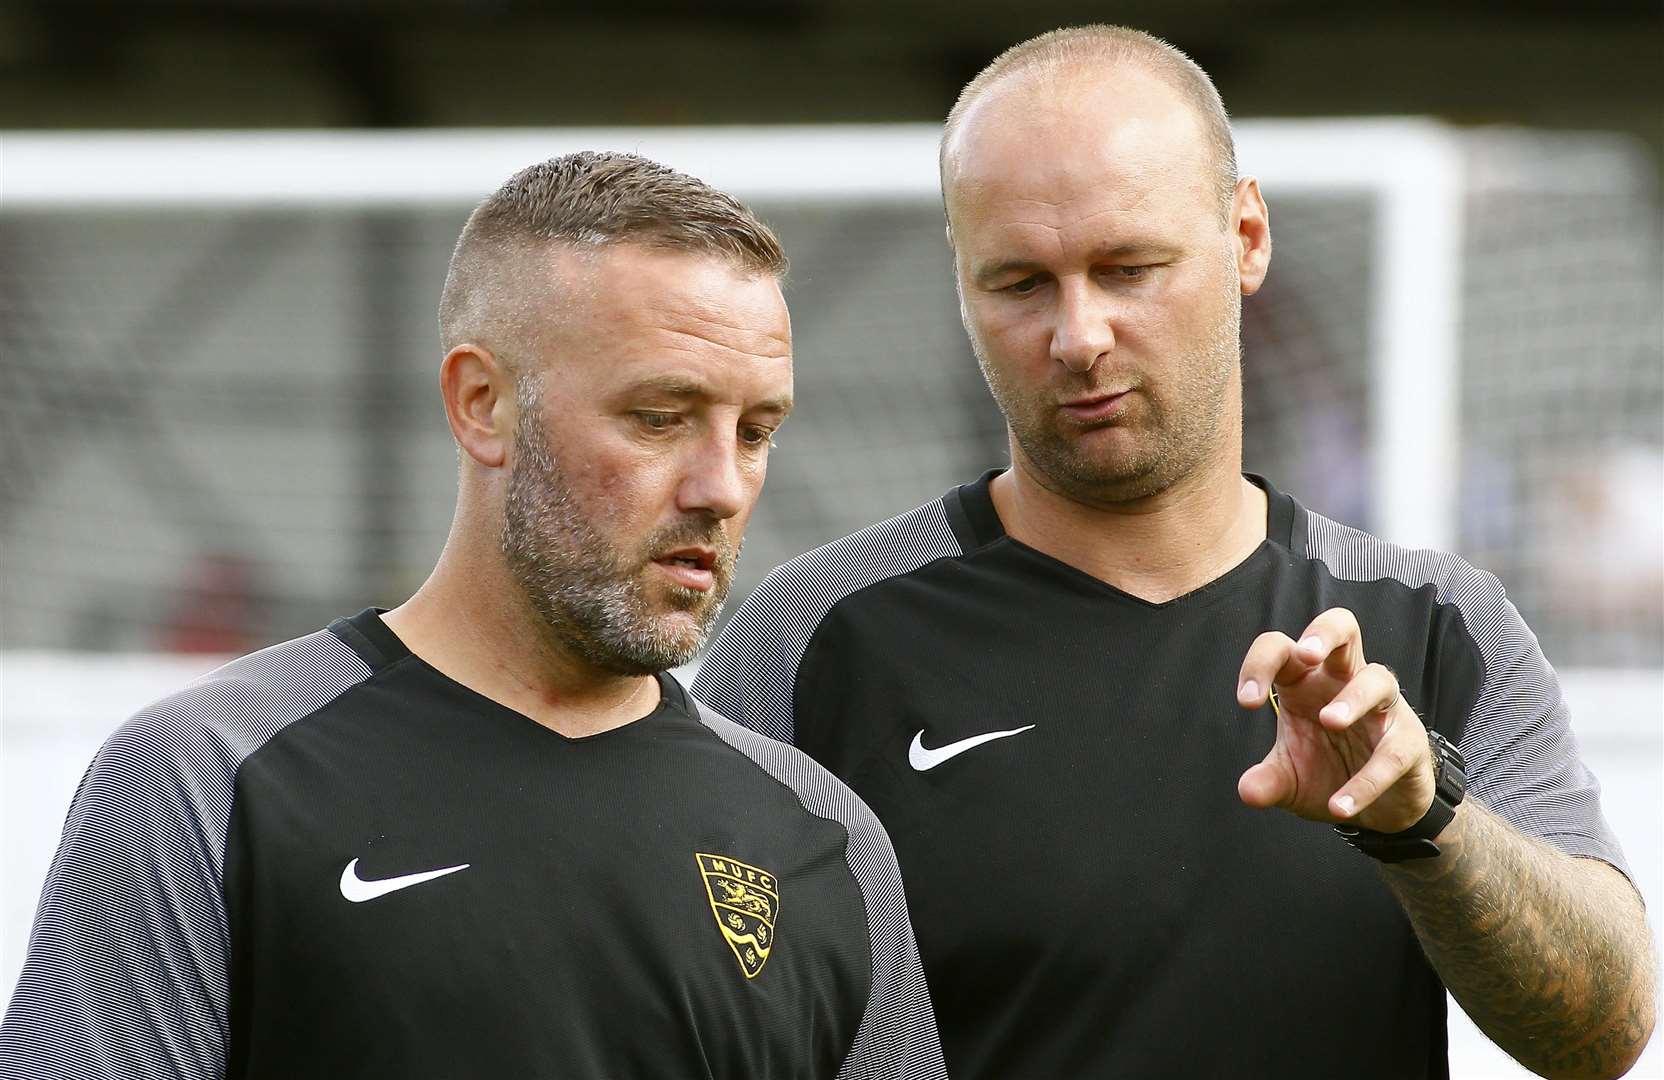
(1549, 954)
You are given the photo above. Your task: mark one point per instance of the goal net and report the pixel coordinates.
(221, 426)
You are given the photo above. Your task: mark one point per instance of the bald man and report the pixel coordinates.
(485, 834)
(1115, 702)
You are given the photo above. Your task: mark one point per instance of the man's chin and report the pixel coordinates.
(670, 646)
(678, 620)
(1095, 480)
(684, 632)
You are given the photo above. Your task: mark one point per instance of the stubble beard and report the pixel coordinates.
(586, 590)
(1172, 434)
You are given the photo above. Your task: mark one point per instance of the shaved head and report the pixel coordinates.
(1063, 56)
(504, 286)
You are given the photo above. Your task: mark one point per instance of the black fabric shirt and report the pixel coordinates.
(1056, 762)
(330, 860)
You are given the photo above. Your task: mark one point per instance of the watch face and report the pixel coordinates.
(1445, 750)
(1449, 781)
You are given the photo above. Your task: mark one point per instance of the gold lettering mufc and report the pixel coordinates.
(746, 903)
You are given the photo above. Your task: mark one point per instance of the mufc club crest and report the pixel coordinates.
(746, 902)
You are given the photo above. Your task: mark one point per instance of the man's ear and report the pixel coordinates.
(1251, 229)
(478, 390)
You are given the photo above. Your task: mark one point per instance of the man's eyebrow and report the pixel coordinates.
(1140, 247)
(677, 386)
(1137, 248)
(988, 272)
(780, 406)
(671, 386)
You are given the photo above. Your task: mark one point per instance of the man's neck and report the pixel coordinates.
(1156, 548)
(471, 623)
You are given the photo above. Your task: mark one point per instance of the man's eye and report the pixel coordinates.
(656, 421)
(1133, 273)
(756, 436)
(1025, 286)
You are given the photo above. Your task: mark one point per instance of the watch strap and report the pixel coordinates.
(1417, 842)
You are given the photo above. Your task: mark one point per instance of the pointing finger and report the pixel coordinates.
(1270, 659)
(1333, 639)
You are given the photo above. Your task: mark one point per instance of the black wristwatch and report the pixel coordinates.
(1450, 784)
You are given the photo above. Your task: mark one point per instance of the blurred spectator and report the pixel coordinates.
(214, 611)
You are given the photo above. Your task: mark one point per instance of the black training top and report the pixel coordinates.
(327, 859)
(1056, 762)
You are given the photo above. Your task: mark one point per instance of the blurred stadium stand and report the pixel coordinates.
(467, 63)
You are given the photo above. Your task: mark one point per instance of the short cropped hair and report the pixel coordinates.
(1083, 48)
(588, 199)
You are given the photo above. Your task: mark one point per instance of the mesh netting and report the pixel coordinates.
(221, 427)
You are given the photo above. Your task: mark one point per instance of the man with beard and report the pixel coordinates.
(1072, 689)
(485, 834)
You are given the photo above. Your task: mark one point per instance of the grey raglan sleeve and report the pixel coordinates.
(128, 969)
(126, 974)
(897, 1037)
(1523, 761)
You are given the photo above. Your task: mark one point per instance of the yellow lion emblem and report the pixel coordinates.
(745, 900)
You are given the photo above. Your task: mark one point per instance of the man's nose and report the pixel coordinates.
(714, 481)
(1084, 332)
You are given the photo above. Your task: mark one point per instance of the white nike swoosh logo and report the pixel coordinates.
(358, 890)
(921, 758)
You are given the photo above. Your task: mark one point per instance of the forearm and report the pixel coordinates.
(1549, 954)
